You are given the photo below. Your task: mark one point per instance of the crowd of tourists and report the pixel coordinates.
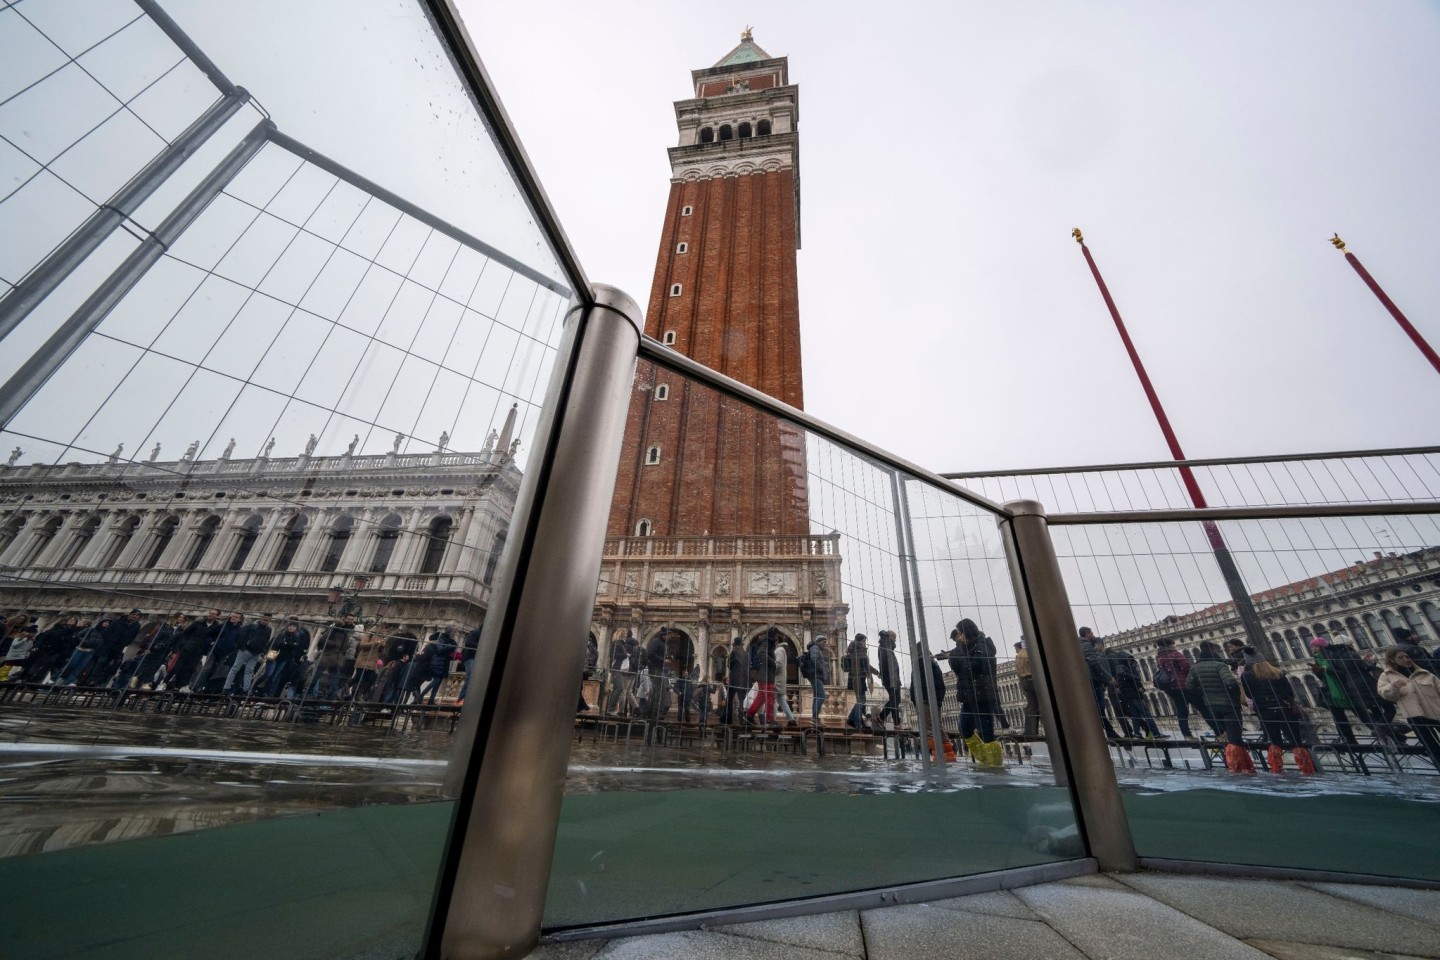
(246, 655)
(1393, 695)
(751, 686)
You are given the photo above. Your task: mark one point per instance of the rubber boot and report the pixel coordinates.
(1237, 759)
(972, 744)
(1304, 761)
(994, 754)
(1275, 757)
(950, 755)
(930, 742)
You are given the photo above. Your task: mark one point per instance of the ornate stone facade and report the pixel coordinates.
(262, 535)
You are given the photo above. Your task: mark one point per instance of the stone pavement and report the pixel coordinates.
(1142, 916)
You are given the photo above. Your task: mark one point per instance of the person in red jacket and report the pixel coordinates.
(1176, 667)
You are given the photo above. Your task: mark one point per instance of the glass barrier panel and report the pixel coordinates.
(1306, 741)
(724, 754)
(250, 519)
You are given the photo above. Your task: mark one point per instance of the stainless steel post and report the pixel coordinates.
(1041, 590)
(49, 273)
(922, 722)
(31, 376)
(927, 682)
(1058, 763)
(513, 741)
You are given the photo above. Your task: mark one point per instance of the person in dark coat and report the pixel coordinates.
(1130, 694)
(624, 653)
(254, 644)
(856, 664)
(87, 643)
(890, 679)
(53, 646)
(290, 646)
(436, 659)
(655, 653)
(1339, 662)
(468, 650)
(197, 637)
(737, 681)
(120, 634)
(222, 654)
(1212, 678)
(1274, 701)
(393, 686)
(149, 671)
(1100, 679)
(325, 679)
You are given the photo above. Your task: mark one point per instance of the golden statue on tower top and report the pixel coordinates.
(745, 34)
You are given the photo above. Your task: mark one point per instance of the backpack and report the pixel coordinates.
(847, 663)
(1164, 679)
(807, 666)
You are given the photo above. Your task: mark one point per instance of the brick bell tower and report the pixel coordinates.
(724, 294)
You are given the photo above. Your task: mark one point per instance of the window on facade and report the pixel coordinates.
(1432, 615)
(686, 210)
(669, 339)
(707, 134)
(339, 537)
(123, 535)
(652, 456)
(437, 539)
(497, 547)
(643, 528)
(1373, 627)
(727, 132)
(78, 541)
(674, 289)
(204, 536)
(662, 392)
(245, 543)
(1357, 635)
(682, 247)
(763, 127)
(744, 130)
(1413, 621)
(164, 533)
(385, 539)
(294, 533)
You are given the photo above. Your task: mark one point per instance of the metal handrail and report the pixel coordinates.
(1208, 462)
(663, 356)
(1295, 512)
(450, 28)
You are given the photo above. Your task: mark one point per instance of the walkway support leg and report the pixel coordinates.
(512, 744)
(1064, 681)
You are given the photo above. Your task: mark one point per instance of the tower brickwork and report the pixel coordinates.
(724, 294)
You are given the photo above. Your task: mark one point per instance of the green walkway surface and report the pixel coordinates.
(1370, 834)
(356, 883)
(635, 854)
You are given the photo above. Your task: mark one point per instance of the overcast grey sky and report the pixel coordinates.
(1207, 151)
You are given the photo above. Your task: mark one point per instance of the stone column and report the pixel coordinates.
(411, 544)
(267, 543)
(450, 563)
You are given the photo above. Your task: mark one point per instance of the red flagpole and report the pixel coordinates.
(1244, 606)
(1380, 294)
